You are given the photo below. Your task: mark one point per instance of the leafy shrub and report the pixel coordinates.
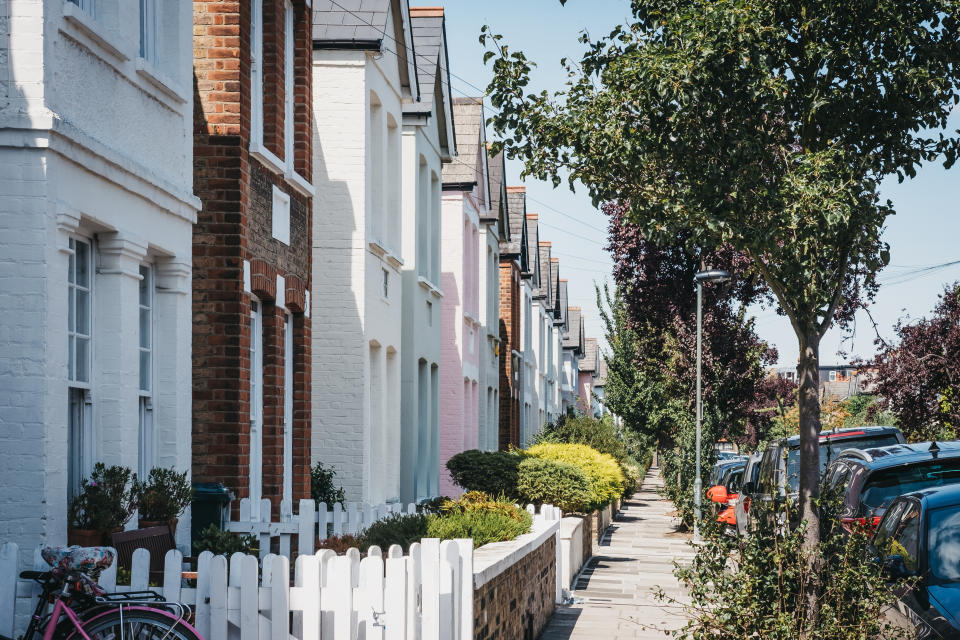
(476, 515)
(544, 481)
(433, 505)
(632, 475)
(492, 472)
(104, 501)
(164, 495)
(225, 543)
(599, 434)
(400, 528)
(341, 544)
(322, 486)
(603, 472)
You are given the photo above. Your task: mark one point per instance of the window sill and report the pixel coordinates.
(77, 22)
(299, 183)
(470, 319)
(160, 81)
(268, 159)
(429, 286)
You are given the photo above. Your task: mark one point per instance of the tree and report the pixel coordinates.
(918, 378)
(764, 125)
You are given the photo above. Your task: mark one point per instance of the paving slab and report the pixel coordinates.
(614, 594)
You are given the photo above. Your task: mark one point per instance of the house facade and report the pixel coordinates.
(428, 142)
(513, 262)
(466, 197)
(251, 249)
(96, 224)
(531, 324)
(362, 82)
(586, 376)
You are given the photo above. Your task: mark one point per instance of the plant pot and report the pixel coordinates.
(85, 537)
(171, 523)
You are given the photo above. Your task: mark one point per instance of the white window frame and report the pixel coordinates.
(146, 437)
(256, 406)
(385, 284)
(288, 83)
(280, 216)
(833, 376)
(80, 436)
(256, 73)
(87, 6)
(149, 33)
(288, 408)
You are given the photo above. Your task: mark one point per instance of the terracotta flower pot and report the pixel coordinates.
(85, 537)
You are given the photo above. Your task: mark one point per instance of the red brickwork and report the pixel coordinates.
(510, 342)
(234, 225)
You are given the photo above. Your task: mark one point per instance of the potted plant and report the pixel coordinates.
(162, 497)
(102, 506)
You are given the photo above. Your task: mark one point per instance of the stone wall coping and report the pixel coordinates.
(570, 527)
(492, 559)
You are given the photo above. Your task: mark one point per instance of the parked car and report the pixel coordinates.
(870, 479)
(919, 538)
(778, 476)
(725, 493)
(720, 467)
(748, 488)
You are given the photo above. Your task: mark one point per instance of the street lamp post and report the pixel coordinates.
(710, 275)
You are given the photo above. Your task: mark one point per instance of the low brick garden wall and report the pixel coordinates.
(514, 585)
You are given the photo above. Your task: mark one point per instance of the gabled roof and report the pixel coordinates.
(602, 372)
(498, 193)
(515, 245)
(533, 241)
(588, 362)
(555, 290)
(469, 168)
(544, 290)
(362, 24)
(563, 315)
(573, 338)
(430, 41)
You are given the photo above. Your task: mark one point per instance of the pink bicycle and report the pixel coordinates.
(82, 610)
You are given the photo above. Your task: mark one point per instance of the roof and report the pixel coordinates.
(555, 290)
(589, 360)
(602, 372)
(497, 168)
(430, 43)
(470, 165)
(903, 454)
(573, 338)
(362, 24)
(545, 290)
(517, 216)
(533, 242)
(794, 441)
(562, 311)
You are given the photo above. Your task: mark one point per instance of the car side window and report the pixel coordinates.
(766, 475)
(887, 527)
(907, 539)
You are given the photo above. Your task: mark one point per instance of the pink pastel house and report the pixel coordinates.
(466, 200)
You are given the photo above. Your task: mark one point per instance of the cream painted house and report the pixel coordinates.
(531, 323)
(362, 83)
(428, 142)
(96, 222)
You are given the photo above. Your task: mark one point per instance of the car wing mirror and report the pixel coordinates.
(717, 493)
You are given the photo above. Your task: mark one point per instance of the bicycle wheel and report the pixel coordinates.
(137, 623)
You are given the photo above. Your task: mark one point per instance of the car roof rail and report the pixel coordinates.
(856, 453)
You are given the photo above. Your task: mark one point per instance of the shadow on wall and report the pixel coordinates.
(340, 367)
(452, 417)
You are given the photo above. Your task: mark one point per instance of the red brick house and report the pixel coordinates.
(513, 263)
(252, 247)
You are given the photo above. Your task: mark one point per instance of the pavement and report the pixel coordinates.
(615, 592)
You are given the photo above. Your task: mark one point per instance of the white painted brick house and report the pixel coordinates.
(96, 218)
(428, 142)
(363, 78)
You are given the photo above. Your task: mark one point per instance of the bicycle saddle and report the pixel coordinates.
(83, 559)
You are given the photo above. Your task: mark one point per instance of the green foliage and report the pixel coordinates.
(604, 474)
(477, 515)
(433, 505)
(745, 588)
(225, 543)
(492, 472)
(323, 487)
(598, 433)
(165, 494)
(401, 528)
(104, 501)
(544, 481)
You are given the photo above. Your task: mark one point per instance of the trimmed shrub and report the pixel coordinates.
(603, 471)
(492, 472)
(545, 481)
(400, 528)
(477, 515)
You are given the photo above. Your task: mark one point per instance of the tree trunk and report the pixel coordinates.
(808, 371)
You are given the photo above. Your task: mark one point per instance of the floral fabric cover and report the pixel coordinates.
(83, 559)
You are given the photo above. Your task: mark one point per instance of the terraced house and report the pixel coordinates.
(364, 79)
(513, 263)
(251, 275)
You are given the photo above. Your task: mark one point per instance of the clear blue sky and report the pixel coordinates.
(924, 232)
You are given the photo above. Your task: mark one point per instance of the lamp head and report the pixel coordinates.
(712, 275)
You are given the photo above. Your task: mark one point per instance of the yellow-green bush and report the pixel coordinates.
(603, 471)
(479, 516)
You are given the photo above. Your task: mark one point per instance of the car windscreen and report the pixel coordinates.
(883, 486)
(830, 449)
(943, 544)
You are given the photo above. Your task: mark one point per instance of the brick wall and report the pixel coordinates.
(518, 603)
(235, 225)
(510, 341)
